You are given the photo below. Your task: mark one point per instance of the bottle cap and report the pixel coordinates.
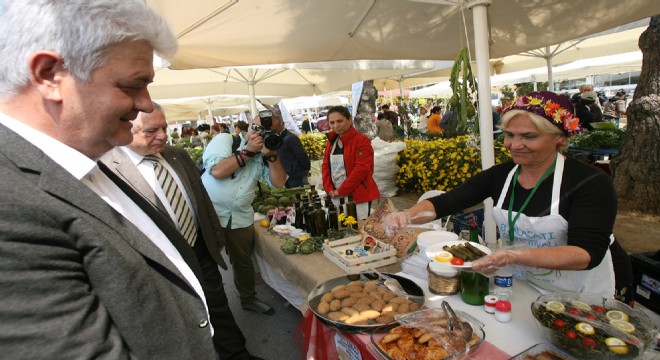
(490, 300)
(503, 306)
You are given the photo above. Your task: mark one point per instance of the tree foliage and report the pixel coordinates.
(364, 118)
(636, 170)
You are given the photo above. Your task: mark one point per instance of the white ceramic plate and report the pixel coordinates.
(282, 229)
(430, 238)
(432, 250)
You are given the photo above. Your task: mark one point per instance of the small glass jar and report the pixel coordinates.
(489, 303)
(503, 311)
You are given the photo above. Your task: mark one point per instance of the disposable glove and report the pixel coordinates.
(395, 221)
(401, 219)
(503, 260)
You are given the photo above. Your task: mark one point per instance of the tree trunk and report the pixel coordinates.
(636, 170)
(364, 118)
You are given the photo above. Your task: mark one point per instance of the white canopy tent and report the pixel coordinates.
(249, 32)
(182, 110)
(577, 69)
(283, 80)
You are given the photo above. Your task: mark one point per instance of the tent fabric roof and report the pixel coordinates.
(249, 32)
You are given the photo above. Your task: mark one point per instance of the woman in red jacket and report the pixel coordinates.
(348, 162)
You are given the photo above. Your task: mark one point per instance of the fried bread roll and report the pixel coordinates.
(327, 297)
(335, 305)
(323, 308)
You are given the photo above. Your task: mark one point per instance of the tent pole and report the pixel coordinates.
(482, 53)
(548, 60)
(405, 128)
(253, 100)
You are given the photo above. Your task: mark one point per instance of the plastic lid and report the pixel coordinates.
(503, 306)
(491, 300)
(442, 269)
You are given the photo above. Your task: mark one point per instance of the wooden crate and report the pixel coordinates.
(335, 250)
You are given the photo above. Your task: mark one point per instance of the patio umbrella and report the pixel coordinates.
(255, 32)
(283, 80)
(199, 108)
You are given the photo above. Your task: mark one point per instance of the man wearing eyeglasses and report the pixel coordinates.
(141, 165)
(231, 179)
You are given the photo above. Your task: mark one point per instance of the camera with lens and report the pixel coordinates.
(272, 140)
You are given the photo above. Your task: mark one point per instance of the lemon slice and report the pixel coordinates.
(585, 328)
(616, 315)
(443, 256)
(616, 345)
(623, 326)
(581, 305)
(555, 306)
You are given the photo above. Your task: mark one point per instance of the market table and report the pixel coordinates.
(294, 276)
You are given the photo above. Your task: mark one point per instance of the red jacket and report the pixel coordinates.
(359, 163)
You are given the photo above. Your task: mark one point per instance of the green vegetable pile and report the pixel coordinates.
(305, 247)
(268, 198)
(599, 139)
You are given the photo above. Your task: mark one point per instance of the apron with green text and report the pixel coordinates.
(550, 231)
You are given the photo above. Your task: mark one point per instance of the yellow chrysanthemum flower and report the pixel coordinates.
(350, 221)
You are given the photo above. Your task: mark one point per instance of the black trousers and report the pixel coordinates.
(228, 339)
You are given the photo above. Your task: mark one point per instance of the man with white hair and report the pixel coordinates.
(86, 271)
(149, 166)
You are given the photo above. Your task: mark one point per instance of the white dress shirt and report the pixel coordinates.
(146, 168)
(86, 170)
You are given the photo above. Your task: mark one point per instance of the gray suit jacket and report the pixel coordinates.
(209, 225)
(78, 280)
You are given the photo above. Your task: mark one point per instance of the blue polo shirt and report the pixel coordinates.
(232, 198)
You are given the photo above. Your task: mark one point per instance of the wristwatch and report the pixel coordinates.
(248, 153)
(271, 158)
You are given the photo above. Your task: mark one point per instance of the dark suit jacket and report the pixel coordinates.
(77, 279)
(209, 225)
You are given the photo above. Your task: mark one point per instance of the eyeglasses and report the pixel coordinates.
(256, 127)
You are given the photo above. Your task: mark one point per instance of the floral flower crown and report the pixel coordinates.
(555, 108)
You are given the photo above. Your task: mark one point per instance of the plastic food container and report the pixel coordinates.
(541, 349)
(589, 326)
(470, 350)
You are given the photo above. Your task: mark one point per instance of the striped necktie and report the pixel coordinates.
(175, 197)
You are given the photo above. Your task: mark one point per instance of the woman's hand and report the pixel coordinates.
(487, 265)
(395, 221)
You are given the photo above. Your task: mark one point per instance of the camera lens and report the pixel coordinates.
(272, 141)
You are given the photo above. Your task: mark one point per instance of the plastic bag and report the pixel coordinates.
(385, 167)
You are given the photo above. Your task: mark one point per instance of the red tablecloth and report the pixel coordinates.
(317, 341)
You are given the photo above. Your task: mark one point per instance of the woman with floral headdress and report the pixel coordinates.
(555, 215)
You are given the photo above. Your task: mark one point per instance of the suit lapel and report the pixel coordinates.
(162, 221)
(80, 196)
(119, 162)
(56, 181)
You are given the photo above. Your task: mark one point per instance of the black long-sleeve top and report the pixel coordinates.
(587, 202)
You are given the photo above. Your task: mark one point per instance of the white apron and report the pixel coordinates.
(550, 231)
(338, 174)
